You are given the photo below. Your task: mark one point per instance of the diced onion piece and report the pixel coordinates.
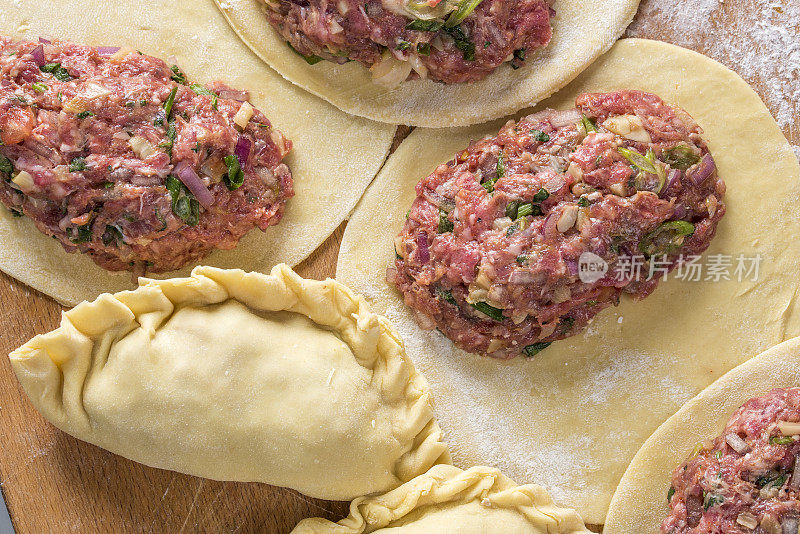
(335, 27)
(567, 219)
(141, 147)
(243, 116)
(390, 72)
(788, 428)
(494, 345)
(76, 105)
(501, 223)
(748, 520)
(24, 181)
(343, 7)
(561, 294)
(618, 189)
(629, 127)
(121, 54)
(737, 443)
(192, 181)
(94, 90)
(575, 171)
(418, 66)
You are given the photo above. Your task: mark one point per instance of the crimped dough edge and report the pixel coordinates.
(447, 484)
(63, 358)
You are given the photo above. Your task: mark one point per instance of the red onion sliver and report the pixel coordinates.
(45, 41)
(703, 170)
(795, 481)
(38, 55)
(422, 247)
(192, 181)
(107, 50)
(242, 150)
(737, 443)
(233, 94)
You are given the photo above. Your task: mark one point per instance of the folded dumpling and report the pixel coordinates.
(240, 376)
(447, 500)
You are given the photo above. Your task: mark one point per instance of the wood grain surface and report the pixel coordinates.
(55, 483)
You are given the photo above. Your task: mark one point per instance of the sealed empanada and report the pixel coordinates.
(237, 376)
(447, 500)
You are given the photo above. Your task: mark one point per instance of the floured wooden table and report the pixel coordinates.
(54, 483)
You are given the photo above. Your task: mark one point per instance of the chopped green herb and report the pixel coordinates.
(639, 161)
(667, 238)
(587, 124)
(77, 165)
(170, 102)
(311, 60)
(536, 348)
(161, 220)
(462, 42)
(445, 224)
(80, 234)
(541, 195)
(511, 229)
(711, 499)
(670, 493)
(6, 167)
(771, 480)
(420, 25)
(109, 185)
(521, 259)
(16, 213)
(566, 324)
(540, 136)
(235, 176)
(487, 44)
(680, 157)
(446, 295)
(178, 75)
(583, 202)
(39, 87)
(500, 168)
(464, 9)
(201, 90)
(57, 70)
(172, 134)
(85, 114)
(403, 45)
(424, 49)
(781, 440)
(591, 302)
(184, 204)
(493, 313)
(519, 54)
(718, 455)
(112, 234)
(528, 208)
(511, 209)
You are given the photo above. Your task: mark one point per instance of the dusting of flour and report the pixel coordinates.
(759, 40)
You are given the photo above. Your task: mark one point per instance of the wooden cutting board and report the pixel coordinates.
(54, 483)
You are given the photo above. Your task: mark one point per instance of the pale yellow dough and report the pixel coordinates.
(447, 500)
(328, 180)
(582, 31)
(237, 376)
(640, 502)
(572, 418)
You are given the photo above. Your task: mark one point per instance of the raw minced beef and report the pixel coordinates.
(402, 39)
(114, 154)
(747, 480)
(490, 252)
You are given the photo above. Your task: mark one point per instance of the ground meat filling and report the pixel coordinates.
(114, 154)
(748, 479)
(450, 41)
(490, 252)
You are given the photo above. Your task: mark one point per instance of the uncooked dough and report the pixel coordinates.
(571, 418)
(582, 31)
(640, 502)
(327, 179)
(447, 500)
(239, 376)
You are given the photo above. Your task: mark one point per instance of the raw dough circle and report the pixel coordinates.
(640, 502)
(582, 31)
(328, 181)
(572, 418)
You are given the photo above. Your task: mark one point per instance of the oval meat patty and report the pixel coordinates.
(450, 41)
(116, 155)
(491, 250)
(748, 479)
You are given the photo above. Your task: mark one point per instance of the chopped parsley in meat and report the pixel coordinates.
(118, 156)
(503, 226)
(451, 41)
(746, 480)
